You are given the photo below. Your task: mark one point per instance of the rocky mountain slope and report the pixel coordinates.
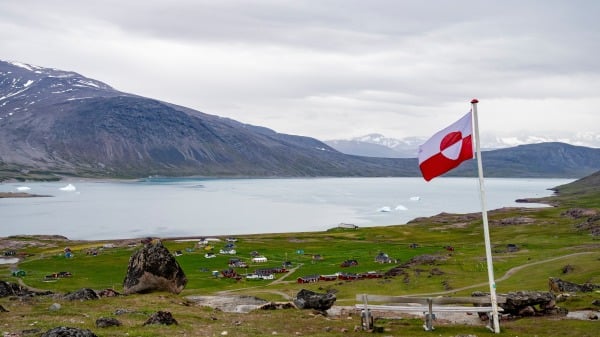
(58, 121)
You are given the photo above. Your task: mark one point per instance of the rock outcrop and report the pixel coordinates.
(153, 268)
(559, 286)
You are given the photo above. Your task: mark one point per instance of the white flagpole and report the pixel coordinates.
(486, 231)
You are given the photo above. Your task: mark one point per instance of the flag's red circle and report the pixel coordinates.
(451, 145)
(450, 139)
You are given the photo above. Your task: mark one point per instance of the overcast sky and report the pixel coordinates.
(334, 69)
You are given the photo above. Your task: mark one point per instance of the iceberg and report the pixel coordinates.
(23, 188)
(384, 209)
(68, 188)
(415, 198)
(401, 208)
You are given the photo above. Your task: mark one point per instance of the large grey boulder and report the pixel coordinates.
(306, 299)
(153, 268)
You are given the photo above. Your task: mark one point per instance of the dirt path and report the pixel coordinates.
(22, 284)
(506, 275)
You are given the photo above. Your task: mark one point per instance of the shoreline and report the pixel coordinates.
(127, 240)
(22, 195)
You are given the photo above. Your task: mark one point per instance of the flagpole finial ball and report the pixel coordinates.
(474, 100)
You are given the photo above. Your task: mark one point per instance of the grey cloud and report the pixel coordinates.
(319, 67)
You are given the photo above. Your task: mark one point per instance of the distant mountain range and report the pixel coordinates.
(377, 145)
(59, 122)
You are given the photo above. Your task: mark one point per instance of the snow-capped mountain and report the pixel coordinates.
(23, 85)
(378, 145)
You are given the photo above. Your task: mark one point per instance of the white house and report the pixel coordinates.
(228, 251)
(259, 259)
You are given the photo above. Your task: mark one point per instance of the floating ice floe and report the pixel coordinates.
(415, 198)
(384, 209)
(23, 188)
(69, 188)
(401, 208)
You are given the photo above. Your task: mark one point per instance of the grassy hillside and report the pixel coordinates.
(547, 239)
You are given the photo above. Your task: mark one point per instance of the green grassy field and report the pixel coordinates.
(547, 241)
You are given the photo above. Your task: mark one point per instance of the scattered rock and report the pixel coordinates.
(68, 332)
(567, 269)
(83, 294)
(2, 309)
(54, 307)
(306, 299)
(596, 302)
(161, 317)
(105, 322)
(153, 268)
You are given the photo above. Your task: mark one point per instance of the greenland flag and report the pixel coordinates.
(447, 148)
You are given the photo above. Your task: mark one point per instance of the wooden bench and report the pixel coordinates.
(427, 305)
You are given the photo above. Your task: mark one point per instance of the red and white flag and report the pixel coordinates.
(447, 149)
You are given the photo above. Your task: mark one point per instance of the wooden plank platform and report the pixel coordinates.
(427, 305)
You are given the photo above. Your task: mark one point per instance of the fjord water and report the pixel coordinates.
(96, 210)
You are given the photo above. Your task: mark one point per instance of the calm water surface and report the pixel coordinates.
(186, 207)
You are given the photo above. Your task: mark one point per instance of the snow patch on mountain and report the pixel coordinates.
(25, 66)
